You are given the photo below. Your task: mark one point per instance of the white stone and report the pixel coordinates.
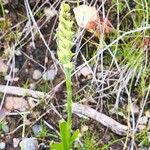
(141, 127)
(36, 74)
(85, 71)
(15, 70)
(8, 78)
(135, 109)
(16, 142)
(29, 144)
(143, 120)
(2, 145)
(50, 12)
(32, 86)
(49, 75)
(31, 102)
(18, 53)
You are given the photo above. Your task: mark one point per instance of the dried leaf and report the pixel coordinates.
(87, 17)
(85, 14)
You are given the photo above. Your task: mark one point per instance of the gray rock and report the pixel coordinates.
(37, 74)
(29, 144)
(2, 145)
(49, 75)
(37, 129)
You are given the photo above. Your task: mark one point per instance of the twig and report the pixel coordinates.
(105, 120)
(115, 126)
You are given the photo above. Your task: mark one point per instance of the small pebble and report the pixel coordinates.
(31, 102)
(29, 144)
(50, 12)
(6, 11)
(18, 53)
(85, 71)
(32, 86)
(37, 129)
(84, 128)
(37, 74)
(141, 127)
(49, 75)
(143, 120)
(135, 109)
(16, 142)
(89, 77)
(8, 78)
(15, 70)
(2, 145)
(16, 79)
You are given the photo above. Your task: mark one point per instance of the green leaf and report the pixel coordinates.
(74, 136)
(57, 146)
(65, 134)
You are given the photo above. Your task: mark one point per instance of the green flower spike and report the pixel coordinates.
(65, 37)
(64, 43)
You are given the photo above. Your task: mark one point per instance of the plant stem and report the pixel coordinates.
(2, 8)
(69, 98)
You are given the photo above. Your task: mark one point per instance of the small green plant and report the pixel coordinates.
(89, 142)
(65, 42)
(2, 126)
(143, 139)
(42, 133)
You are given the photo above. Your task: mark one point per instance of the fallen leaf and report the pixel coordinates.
(85, 14)
(15, 103)
(87, 17)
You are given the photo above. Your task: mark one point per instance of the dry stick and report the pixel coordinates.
(105, 120)
(115, 126)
